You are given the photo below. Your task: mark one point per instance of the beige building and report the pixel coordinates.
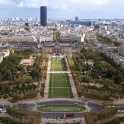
(60, 48)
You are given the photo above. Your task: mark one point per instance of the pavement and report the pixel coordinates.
(81, 120)
(46, 90)
(59, 72)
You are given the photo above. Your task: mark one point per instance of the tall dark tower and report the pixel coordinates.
(43, 16)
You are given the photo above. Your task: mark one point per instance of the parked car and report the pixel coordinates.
(69, 114)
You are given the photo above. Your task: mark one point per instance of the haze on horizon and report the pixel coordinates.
(63, 9)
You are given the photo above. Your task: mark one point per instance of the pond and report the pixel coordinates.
(61, 108)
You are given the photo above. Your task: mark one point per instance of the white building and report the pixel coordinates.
(3, 54)
(45, 38)
(6, 53)
(72, 38)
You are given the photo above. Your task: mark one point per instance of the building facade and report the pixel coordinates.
(76, 18)
(60, 48)
(43, 16)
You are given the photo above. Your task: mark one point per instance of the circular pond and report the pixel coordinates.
(61, 108)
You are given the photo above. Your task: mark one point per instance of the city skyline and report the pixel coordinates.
(65, 9)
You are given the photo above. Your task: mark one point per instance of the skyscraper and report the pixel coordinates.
(43, 16)
(76, 18)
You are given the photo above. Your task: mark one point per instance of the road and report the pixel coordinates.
(31, 106)
(59, 116)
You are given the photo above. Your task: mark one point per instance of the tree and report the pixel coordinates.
(6, 74)
(109, 73)
(35, 73)
(0, 76)
(86, 79)
(118, 79)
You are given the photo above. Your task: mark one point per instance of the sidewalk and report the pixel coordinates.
(46, 90)
(71, 120)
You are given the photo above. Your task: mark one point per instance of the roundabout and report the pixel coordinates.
(61, 108)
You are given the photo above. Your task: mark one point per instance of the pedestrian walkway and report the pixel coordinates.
(59, 72)
(46, 90)
(63, 121)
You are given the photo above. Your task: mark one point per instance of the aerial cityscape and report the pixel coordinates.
(58, 66)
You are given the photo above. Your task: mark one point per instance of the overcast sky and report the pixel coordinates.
(63, 9)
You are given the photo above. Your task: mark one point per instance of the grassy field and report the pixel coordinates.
(60, 93)
(59, 86)
(59, 80)
(58, 65)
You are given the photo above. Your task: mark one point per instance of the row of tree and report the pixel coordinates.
(117, 120)
(107, 40)
(23, 116)
(6, 92)
(95, 117)
(6, 120)
(28, 95)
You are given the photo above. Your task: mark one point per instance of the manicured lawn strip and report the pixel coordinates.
(60, 86)
(59, 80)
(58, 65)
(61, 93)
(61, 108)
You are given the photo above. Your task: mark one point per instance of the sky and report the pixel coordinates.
(63, 9)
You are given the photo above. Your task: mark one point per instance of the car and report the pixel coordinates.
(76, 103)
(1, 109)
(10, 105)
(69, 114)
(3, 113)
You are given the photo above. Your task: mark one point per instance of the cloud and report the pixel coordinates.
(21, 4)
(62, 4)
(67, 8)
(5, 1)
(66, 4)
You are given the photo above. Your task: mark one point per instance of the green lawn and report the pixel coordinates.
(59, 86)
(59, 80)
(60, 93)
(58, 65)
